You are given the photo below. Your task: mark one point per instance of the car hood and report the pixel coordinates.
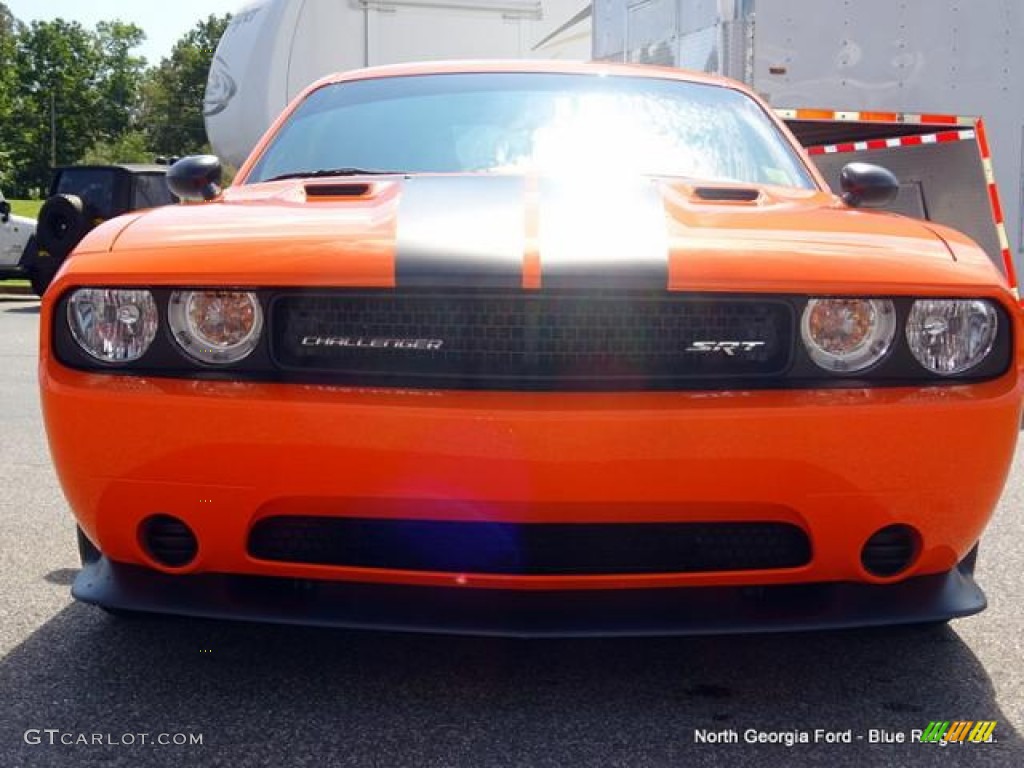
(489, 230)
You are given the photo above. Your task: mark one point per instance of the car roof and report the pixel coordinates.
(530, 66)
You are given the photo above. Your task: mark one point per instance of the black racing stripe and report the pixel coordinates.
(604, 235)
(461, 231)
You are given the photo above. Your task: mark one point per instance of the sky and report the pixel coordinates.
(163, 21)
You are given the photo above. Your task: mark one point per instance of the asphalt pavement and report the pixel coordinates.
(80, 688)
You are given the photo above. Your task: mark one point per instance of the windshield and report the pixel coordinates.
(537, 123)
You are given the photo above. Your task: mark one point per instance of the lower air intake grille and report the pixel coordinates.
(529, 549)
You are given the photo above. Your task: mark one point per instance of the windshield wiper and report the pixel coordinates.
(348, 171)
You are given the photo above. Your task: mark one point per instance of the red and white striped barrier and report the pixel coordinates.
(900, 141)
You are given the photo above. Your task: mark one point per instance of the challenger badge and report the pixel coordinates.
(372, 342)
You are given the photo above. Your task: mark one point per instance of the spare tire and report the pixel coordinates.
(62, 224)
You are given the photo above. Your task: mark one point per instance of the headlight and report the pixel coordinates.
(848, 335)
(113, 325)
(216, 327)
(950, 336)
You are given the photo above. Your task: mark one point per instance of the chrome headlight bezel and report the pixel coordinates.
(113, 326)
(969, 326)
(199, 345)
(868, 347)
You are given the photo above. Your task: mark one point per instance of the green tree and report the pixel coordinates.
(120, 78)
(173, 94)
(129, 147)
(58, 68)
(69, 94)
(10, 28)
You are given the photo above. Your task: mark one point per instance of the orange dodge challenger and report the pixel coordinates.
(531, 349)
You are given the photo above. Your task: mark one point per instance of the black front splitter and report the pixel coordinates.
(533, 614)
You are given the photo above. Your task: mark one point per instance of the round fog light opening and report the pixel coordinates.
(890, 550)
(168, 540)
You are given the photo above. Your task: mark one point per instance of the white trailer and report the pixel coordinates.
(274, 48)
(950, 60)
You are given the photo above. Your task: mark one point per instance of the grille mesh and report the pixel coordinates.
(559, 340)
(582, 548)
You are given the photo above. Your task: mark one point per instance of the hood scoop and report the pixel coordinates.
(342, 189)
(727, 194)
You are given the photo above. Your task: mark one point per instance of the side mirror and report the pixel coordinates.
(5, 211)
(867, 186)
(195, 178)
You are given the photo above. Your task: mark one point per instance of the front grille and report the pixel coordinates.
(529, 549)
(523, 340)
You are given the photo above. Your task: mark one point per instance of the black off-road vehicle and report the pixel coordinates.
(82, 197)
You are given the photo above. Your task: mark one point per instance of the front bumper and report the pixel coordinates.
(450, 610)
(839, 464)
